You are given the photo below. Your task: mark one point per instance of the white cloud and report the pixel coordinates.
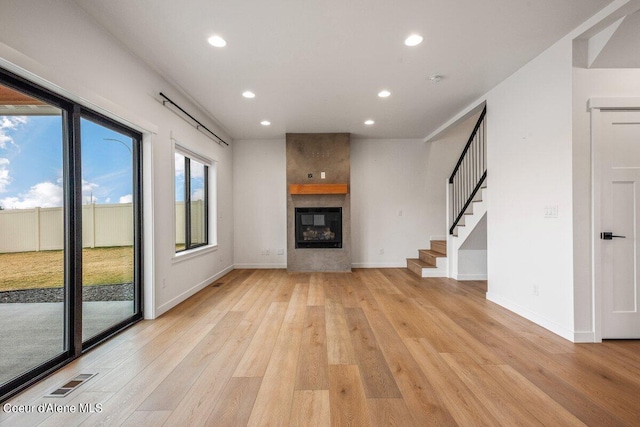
(9, 123)
(198, 194)
(43, 195)
(5, 179)
(4, 138)
(87, 192)
(126, 199)
(88, 186)
(197, 170)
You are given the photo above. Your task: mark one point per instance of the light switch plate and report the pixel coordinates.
(551, 211)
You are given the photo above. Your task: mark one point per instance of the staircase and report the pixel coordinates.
(474, 213)
(466, 218)
(430, 262)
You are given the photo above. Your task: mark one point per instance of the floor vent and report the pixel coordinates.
(71, 385)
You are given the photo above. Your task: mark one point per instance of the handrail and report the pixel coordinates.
(466, 147)
(468, 202)
(470, 172)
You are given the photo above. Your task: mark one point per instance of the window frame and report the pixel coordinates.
(208, 164)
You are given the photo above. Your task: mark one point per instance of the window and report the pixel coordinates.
(191, 201)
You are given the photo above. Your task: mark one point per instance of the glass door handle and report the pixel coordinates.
(608, 235)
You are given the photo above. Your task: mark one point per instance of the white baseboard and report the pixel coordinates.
(259, 266)
(433, 273)
(535, 318)
(584, 337)
(190, 292)
(463, 277)
(397, 264)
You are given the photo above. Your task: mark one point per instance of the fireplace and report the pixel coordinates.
(318, 228)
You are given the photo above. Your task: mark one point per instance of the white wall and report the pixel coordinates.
(529, 167)
(70, 53)
(260, 204)
(393, 176)
(387, 176)
(388, 201)
(589, 84)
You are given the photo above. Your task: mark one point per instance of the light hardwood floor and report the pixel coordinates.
(374, 347)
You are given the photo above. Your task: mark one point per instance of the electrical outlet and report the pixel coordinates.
(164, 283)
(536, 290)
(382, 251)
(280, 251)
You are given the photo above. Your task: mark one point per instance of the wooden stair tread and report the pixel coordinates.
(432, 252)
(420, 263)
(430, 257)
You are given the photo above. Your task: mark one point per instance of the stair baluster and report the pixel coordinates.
(470, 172)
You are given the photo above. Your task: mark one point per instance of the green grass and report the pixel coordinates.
(29, 270)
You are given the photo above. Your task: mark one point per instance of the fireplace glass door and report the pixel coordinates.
(318, 228)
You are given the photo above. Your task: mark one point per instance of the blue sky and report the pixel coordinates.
(197, 179)
(31, 163)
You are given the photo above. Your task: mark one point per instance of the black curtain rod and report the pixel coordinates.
(200, 125)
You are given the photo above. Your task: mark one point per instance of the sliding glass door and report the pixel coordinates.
(32, 294)
(70, 230)
(108, 227)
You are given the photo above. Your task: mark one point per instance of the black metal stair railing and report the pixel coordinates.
(469, 173)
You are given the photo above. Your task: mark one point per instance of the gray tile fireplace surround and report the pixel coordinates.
(308, 155)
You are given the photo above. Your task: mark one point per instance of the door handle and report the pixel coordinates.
(608, 235)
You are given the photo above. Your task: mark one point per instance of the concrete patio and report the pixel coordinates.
(32, 333)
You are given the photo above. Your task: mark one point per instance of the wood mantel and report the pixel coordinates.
(318, 188)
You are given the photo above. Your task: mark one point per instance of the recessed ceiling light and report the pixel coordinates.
(217, 41)
(265, 123)
(384, 93)
(369, 122)
(413, 40)
(435, 78)
(248, 94)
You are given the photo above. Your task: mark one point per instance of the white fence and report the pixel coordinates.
(197, 222)
(42, 229)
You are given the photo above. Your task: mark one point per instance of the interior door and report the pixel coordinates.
(620, 223)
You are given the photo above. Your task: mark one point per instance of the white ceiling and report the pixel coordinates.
(317, 66)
